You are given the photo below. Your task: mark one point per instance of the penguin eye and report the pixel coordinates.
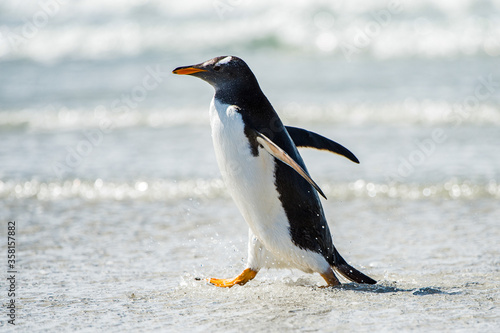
(216, 68)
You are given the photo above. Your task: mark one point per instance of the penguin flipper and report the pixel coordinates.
(305, 138)
(281, 155)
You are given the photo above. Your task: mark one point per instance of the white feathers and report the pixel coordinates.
(250, 181)
(225, 60)
(280, 154)
(289, 257)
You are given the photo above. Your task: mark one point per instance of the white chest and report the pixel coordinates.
(249, 179)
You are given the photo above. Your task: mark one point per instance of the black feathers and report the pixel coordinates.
(305, 138)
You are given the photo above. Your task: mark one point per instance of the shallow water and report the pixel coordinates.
(121, 213)
(114, 255)
(129, 264)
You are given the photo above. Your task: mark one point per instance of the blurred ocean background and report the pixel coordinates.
(107, 165)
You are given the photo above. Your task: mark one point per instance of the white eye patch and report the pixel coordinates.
(225, 60)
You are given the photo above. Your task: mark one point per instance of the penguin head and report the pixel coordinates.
(225, 72)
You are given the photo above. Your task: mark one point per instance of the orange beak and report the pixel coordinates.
(187, 70)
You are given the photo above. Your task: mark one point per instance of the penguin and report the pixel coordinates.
(263, 171)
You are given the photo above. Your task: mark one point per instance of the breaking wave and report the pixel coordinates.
(426, 29)
(173, 190)
(408, 112)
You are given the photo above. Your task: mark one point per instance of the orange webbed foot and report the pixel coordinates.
(241, 279)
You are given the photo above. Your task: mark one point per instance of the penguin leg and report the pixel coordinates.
(256, 256)
(330, 279)
(245, 276)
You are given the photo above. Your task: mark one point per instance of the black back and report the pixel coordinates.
(308, 227)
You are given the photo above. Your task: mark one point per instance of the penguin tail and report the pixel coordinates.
(349, 272)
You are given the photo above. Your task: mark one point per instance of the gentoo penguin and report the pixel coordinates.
(267, 178)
